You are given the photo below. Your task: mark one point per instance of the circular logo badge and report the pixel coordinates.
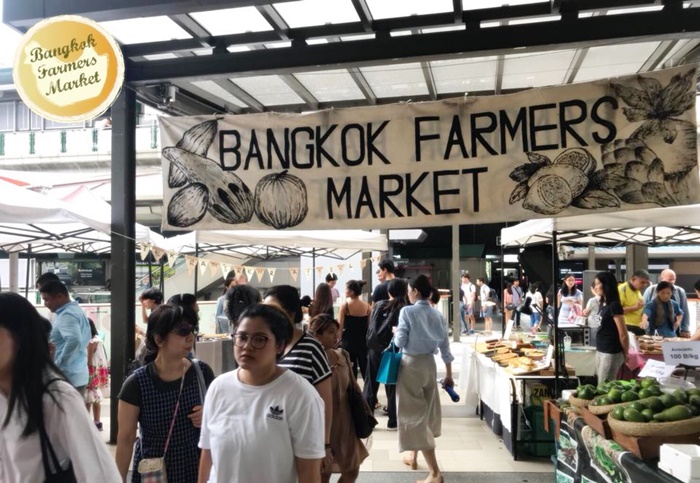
(68, 69)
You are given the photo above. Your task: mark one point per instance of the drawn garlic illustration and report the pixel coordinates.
(548, 187)
(224, 195)
(281, 200)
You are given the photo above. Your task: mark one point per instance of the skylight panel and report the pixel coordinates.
(479, 4)
(269, 90)
(464, 75)
(398, 80)
(405, 8)
(213, 88)
(232, 21)
(144, 29)
(330, 85)
(308, 13)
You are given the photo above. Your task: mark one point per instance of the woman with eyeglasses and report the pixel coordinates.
(163, 398)
(262, 422)
(420, 333)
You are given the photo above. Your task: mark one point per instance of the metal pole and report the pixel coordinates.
(456, 279)
(503, 277)
(123, 245)
(196, 270)
(555, 316)
(150, 270)
(313, 270)
(162, 277)
(26, 277)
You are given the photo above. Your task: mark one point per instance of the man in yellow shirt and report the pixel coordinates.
(632, 300)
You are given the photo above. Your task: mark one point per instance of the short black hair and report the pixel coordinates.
(54, 287)
(183, 300)
(423, 285)
(163, 320)
(643, 274)
(355, 286)
(466, 275)
(330, 277)
(153, 294)
(387, 265)
(288, 297)
(238, 299)
(45, 278)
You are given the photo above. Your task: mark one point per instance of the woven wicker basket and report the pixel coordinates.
(675, 428)
(598, 410)
(578, 402)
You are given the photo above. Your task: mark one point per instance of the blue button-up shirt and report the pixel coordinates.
(422, 330)
(71, 335)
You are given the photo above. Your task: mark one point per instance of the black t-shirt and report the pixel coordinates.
(608, 338)
(131, 391)
(380, 293)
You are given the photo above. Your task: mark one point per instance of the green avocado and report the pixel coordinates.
(619, 413)
(675, 413)
(693, 409)
(655, 390)
(637, 405)
(648, 414)
(648, 382)
(629, 396)
(655, 404)
(615, 395)
(693, 392)
(694, 400)
(680, 395)
(644, 393)
(634, 416)
(668, 400)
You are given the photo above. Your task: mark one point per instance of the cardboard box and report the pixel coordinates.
(682, 461)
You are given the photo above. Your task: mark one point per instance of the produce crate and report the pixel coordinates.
(648, 447)
(538, 441)
(598, 423)
(552, 414)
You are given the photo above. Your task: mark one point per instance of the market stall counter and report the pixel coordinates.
(585, 456)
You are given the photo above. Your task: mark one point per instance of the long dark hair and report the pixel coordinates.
(659, 312)
(288, 298)
(32, 363)
(609, 288)
(239, 298)
(565, 288)
(422, 284)
(323, 300)
(398, 289)
(322, 323)
(163, 320)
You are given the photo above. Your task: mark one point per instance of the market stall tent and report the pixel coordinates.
(655, 226)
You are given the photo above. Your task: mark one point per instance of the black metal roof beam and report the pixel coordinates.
(500, 61)
(575, 66)
(301, 91)
(457, 10)
(275, 19)
(583, 32)
(28, 12)
(206, 96)
(364, 13)
(359, 79)
(239, 93)
(192, 27)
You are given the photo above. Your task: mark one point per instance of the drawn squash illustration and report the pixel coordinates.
(281, 200)
(188, 206)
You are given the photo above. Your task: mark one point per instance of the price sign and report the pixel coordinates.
(687, 353)
(656, 369)
(548, 357)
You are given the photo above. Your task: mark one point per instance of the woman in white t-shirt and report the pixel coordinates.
(261, 422)
(37, 403)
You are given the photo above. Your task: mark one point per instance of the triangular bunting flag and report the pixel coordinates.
(260, 271)
(145, 250)
(340, 268)
(172, 258)
(363, 263)
(294, 272)
(319, 271)
(213, 268)
(225, 268)
(249, 272)
(377, 258)
(308, 273)
(239, 270)
(203, 264)
(191, 264)
(271, 273)
(330, 269)
(351, 266)
(157, 253)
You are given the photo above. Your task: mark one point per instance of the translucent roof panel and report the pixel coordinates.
(614, 60)
(477, 4)
(307, 13)
(679, 45)
(232, 21)
(536, 70)
(330, 85)
(144, 29)
(269, 90)
(397, 80)
(213, 88)
(528, 20)
(168, 55)
(464, 75)
(405, 8)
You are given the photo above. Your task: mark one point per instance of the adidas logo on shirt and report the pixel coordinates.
(275, 413)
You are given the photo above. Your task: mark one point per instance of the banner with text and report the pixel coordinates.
(612, 145)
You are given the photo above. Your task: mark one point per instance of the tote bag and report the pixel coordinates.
(362, 416)
(389, 367)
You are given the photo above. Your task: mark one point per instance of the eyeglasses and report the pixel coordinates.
(185, 330)
(257, 341)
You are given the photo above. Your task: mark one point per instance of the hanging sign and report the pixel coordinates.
(612, 145)
(68, 69)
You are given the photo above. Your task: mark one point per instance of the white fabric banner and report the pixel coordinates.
(611, 145)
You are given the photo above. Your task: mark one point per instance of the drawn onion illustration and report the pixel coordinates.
(578, 158)
(281, 200)
(188, 206)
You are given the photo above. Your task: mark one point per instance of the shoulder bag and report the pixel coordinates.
(152, 470)
(389, 366)
(362, 416)
(59, 475)
(201, 383)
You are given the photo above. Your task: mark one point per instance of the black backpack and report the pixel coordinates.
(381, 321)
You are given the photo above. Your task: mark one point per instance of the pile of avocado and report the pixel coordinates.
(650, 405)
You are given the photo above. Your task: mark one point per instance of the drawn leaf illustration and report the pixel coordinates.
(633, 97)
(656, 171)
(656, 193)
(518, 193)
(593, 198)
(198, 139)
(537, 158)
(523, 172)
(651, 86)
(634, 196)
(606, 180)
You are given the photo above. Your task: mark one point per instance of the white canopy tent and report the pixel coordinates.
(655, 226)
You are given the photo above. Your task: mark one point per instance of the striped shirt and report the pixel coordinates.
(308, 359)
